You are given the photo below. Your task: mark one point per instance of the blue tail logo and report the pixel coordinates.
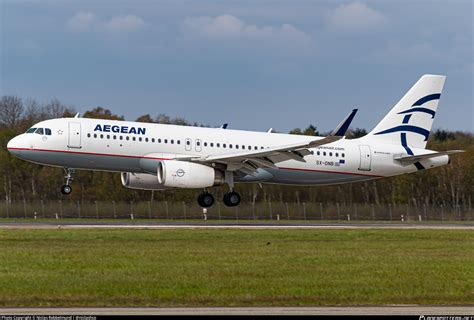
(406, 127)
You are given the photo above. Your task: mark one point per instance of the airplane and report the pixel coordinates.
(158, 156)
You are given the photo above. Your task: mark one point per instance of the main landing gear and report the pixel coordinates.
(231, 198)
(66, 189)
(205, 199)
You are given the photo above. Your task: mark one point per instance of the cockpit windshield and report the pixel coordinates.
(41, 131)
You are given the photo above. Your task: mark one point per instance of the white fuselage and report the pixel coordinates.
(96, 144)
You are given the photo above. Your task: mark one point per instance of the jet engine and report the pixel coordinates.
(185, 174)
(141, 181)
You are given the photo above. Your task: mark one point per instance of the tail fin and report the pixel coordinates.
(409, 122)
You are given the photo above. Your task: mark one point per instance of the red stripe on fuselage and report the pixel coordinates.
(153, 158)
(90, 153)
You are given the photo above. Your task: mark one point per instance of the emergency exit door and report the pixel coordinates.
(74, 135)
(365, 158)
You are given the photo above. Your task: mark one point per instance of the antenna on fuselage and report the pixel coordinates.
(77, 115)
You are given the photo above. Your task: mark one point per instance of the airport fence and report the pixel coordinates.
(62, 209)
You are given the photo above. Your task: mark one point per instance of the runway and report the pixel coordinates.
(362, 310)
(227, 225)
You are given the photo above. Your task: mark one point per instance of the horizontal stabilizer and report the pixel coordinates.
(415, 158)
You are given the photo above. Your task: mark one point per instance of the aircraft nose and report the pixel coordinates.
(13, 146)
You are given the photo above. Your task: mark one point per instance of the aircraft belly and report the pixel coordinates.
(296, 177)
(84, 161)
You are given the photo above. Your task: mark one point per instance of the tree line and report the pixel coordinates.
(450, 185)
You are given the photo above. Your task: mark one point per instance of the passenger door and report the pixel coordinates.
(365, 158)
(74, 140)
(188, 144)
(198, 145)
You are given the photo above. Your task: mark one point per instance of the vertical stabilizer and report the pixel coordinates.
(409, 122)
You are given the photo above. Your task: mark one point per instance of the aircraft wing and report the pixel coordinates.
(415, 158)
(249, 161)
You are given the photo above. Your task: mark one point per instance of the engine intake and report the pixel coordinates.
(185, 174)
(141, 181)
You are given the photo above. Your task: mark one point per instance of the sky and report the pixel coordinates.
(253, 64)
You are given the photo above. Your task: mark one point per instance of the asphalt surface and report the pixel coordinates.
(363, 310)
(226, 225)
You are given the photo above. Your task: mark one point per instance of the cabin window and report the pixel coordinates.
(95, 135)
(133, 138)
(120, 137)
(236, 146)
(343, 155)
(218, 145)
(88, 135)
(318, 153)
(198, 143)
(224, 145)
(146, 139)
(108, 136)
(127, 138)
(337, 154)
(178, 142)
(250, 147)
(205, 144)
(166, 140)
(212, 144)
(159, 140)
(115, 137)
(172, 141)
(255, 148)
(102, 136)
(330, 154)
(152, 139)
(324, 153)
(188, 142)
(230, 146)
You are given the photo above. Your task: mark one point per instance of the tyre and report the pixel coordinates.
(205, 200)
(232, 199)
(66, 190)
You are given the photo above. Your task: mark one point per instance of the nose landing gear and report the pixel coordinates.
(67, 189)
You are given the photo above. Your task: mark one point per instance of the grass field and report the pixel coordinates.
(235, 267)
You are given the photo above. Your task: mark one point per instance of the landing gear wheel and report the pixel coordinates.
(66, 190)
(231, 199)
(205, 200)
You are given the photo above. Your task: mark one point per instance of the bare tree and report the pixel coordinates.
(11, 111)
(54, 109)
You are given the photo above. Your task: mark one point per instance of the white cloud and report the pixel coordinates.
(354, 17)
(82, 21)
(87, 21)
(228, 26)
(124, 23)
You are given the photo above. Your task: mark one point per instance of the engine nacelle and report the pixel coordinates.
(142, 181)
(185, 174)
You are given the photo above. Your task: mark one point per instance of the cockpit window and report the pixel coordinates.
(31, 130)
(39, 131)
(47, 131)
